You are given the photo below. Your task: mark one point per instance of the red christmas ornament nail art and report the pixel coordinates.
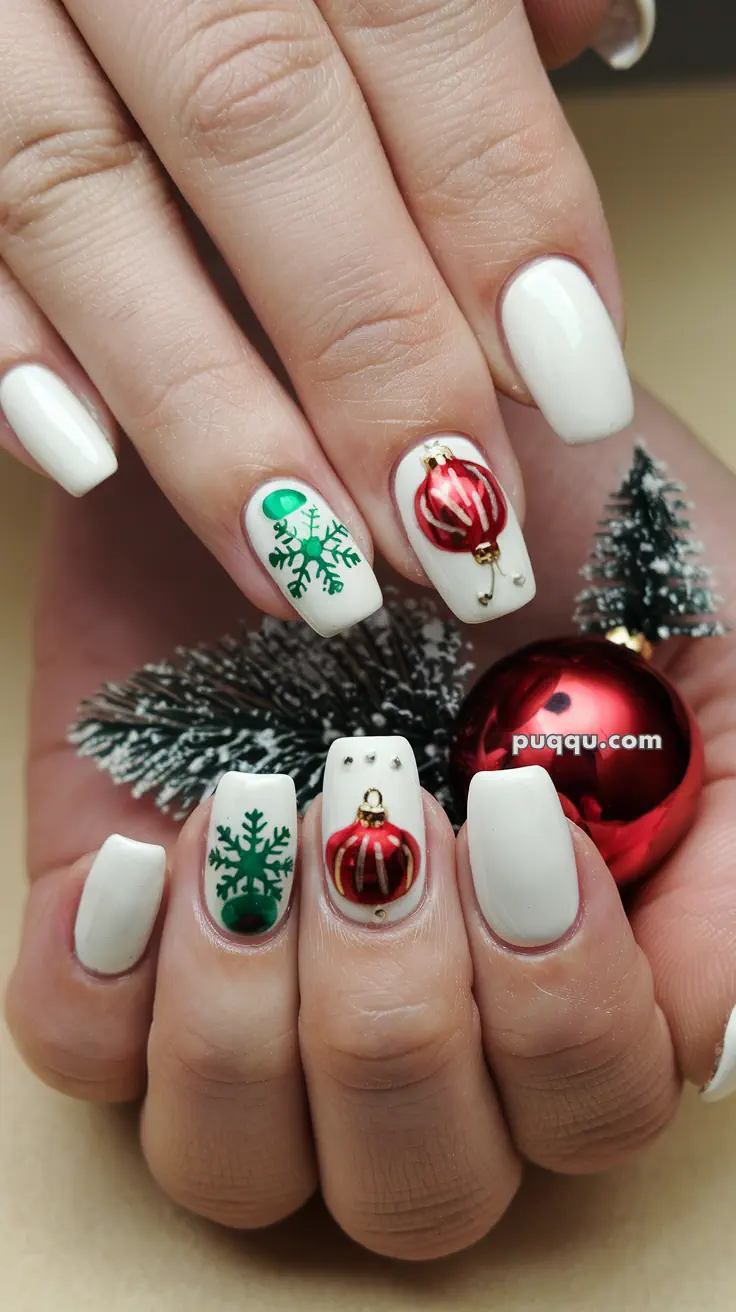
(460, 507)
(372, 861)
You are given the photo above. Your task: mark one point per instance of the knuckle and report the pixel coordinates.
(376, 1044)
(40, 172)
(594, 1102)
(78, 1062)
(213, 1057)
(252, 78)
(375, 334)
(513, 159)
(381, 15)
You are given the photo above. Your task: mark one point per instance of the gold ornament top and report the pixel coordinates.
(436, 455)
(371, 813)
(634, 641)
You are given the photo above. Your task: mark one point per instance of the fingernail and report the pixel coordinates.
(251, 852)
(373, 829)
(309, 553)
(521, 856)
(119, 904)
(56, 429)
(566, 348)
(627, 32)
(463, 529)
(724, 1081)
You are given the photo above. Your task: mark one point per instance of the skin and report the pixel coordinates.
(418, 1073)
(371, 214)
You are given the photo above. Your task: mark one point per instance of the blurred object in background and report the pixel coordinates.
(695, 39)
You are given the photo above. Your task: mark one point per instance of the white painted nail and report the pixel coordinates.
(627, 33)
(251, 852)
(724, 1081)
(567, 350)
(119, 904)
(521, 856)
(56, 428)
(463, 529)
(373, 829)
(311, 556)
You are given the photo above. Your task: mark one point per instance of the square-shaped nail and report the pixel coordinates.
(251, 852)
(521, 856)
(311, 556)
(566, 348)
(373, 829)
(119, 904)
(463, 529)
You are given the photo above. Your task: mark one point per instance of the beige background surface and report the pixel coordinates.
(81, 1227)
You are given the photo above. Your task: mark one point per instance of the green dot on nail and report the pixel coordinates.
(281, 502)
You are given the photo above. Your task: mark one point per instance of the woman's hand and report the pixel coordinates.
(427, 1061)
(397, 191)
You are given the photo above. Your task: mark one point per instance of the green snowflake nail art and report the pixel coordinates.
(250, 859)
(311, 556)
(312, 552)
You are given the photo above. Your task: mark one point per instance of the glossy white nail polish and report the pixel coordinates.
(373, 834)
(567, 350)
(463, 529)
(522, 857)
(309, 553)
(251, 852)
(723, 1083)
(119, 904)
(55, 428)
(627, 33)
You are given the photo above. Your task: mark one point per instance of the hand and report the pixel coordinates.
(417, 1151)
(393, 187)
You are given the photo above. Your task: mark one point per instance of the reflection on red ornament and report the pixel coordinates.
(372, 861)
(635, 803)
(459, 505)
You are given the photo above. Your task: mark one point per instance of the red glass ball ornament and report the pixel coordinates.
(459, 505)
(372, 861)
(635, 799)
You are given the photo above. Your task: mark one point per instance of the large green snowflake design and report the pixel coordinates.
(254, 869)
(311, 552)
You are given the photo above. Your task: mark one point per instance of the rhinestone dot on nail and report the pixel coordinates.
(347, 760)
(379, 913)
(395, 763)
(519, 580)
(370, 757)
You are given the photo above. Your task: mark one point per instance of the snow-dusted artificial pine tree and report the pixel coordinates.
(274, 700)
(643, 567)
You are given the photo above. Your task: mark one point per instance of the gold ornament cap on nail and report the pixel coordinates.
(372, 813)
(436, 455)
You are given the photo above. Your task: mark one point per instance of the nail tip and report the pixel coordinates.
(723, 1083)
(619, 47)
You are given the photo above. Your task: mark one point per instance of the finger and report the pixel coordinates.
(87, 226)
(414, 1157)
(579, 1049)
(259, 120)
(564, 28)
(225, 1127)
(685, 919)
(80, 997)
(50, 415)
(502, 194)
